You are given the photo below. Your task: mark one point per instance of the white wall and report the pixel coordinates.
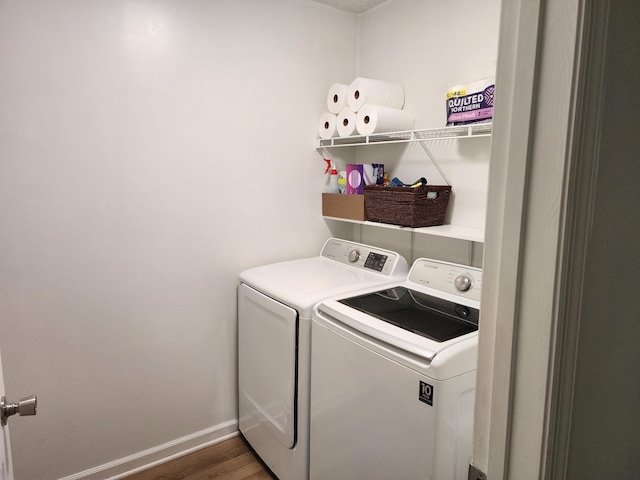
(149, 152)
(429, 46)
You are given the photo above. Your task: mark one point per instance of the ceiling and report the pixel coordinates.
(355, 6)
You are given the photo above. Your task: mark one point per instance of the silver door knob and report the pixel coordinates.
(26, 406)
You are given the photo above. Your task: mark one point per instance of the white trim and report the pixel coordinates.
(511, 150)
(579, 202)
(531, 185)
(160, 454)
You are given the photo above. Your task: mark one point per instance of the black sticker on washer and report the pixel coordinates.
(426, 393)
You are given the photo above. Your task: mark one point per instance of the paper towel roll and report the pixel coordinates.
(377, 119)
(346, 122)
(337, 97)
(377, 92)
(327, 125)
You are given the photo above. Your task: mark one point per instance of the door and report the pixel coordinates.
(546, 294)
(267, 366)
(6, 468)
(26, 406)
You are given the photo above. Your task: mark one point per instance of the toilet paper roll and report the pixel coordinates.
(346, 122)
(376, 92)
(337, 97)
(327, 125)
(377, 119)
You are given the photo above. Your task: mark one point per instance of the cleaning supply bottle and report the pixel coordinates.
(342, 181)
(333, 177)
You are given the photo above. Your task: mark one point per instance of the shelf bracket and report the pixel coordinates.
(435, 163)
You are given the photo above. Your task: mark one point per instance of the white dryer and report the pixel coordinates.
(275, 304)
(393, 375)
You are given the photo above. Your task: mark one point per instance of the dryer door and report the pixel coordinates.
(267, 341)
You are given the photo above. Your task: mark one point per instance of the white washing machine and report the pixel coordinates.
(393, 374)
(275, 303)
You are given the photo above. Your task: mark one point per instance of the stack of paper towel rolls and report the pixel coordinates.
(364, 107)
(336, 102)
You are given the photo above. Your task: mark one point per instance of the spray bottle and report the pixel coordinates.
(333, 177)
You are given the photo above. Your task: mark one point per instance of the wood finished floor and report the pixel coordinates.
(232, 459)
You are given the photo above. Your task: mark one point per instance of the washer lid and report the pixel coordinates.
(417, 312)
(438, 360)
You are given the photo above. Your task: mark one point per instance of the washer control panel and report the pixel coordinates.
(446, 277)
(364, 257)
(463, 282)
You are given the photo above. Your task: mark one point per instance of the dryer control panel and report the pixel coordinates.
(364, 257)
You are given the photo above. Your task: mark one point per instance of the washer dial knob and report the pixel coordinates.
(354, 256)
(463, 282)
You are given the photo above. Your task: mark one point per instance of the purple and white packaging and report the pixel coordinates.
(373, 173)
(471, 102)
(355, 179)
(359, 175)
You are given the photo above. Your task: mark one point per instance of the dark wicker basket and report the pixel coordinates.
(424, 206)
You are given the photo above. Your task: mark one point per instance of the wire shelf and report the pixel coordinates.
(459, 131)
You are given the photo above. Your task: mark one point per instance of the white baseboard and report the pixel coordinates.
(157, 455)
